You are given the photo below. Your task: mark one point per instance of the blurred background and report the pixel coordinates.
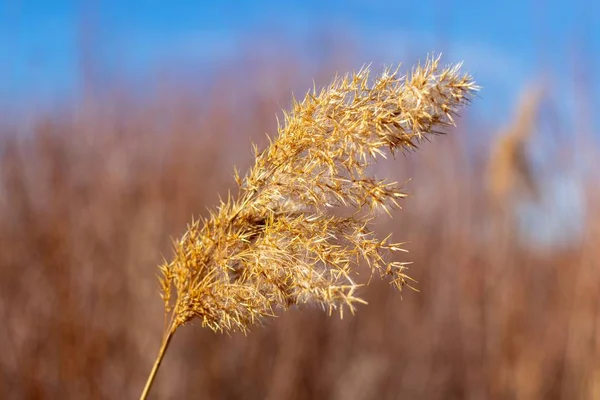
(122, 120)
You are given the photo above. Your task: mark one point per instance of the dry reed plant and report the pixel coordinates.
(78, 232)
(278, 243)
(509, 168)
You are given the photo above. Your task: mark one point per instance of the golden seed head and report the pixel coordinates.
(278, 244)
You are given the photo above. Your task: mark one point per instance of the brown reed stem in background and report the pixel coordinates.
(278, 244)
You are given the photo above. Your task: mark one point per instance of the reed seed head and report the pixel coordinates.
(280, 242)
(509, 170)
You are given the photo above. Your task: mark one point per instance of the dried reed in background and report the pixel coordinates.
(509, 169)
(277, 244)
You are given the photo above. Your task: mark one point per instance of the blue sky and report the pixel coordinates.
(502, 43)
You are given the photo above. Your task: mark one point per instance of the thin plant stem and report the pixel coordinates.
(159, 358)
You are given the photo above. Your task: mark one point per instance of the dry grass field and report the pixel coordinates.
(91, 199)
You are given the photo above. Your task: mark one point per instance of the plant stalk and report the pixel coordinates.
(161, 354)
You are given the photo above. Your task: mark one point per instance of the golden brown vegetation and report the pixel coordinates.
(278, 244)
(89, 200)
(510, 171)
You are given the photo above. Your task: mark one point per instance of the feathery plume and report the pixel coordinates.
(278, 243)
(509, 168)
